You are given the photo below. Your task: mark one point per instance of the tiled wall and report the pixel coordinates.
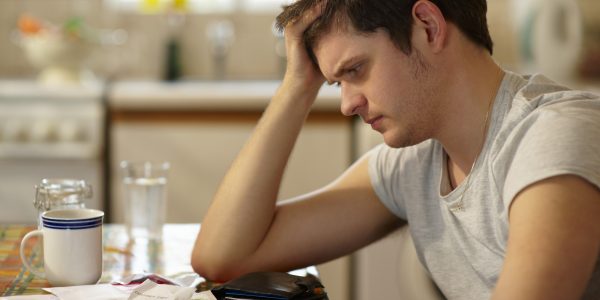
(251, 57)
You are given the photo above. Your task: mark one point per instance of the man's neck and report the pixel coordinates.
(470, 94)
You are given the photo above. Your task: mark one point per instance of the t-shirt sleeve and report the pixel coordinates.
(384, 174)
(556, 140)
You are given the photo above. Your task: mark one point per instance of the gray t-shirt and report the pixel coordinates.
(538, 129)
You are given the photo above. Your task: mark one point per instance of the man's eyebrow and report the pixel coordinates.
(342, 67)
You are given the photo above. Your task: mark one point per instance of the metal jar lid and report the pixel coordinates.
(61, 192)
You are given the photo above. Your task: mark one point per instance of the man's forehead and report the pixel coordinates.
(333, 49)
(333, 36)
(327, 42)
(338, 35)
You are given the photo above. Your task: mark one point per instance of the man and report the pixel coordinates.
(497, 174)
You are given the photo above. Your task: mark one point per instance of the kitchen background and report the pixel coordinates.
(140, 36)
(185, 81)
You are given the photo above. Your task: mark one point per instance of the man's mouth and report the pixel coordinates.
(373, 120)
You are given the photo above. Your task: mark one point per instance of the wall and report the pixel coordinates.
(253, 53)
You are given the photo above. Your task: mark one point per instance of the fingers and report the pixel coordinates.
(297, 27)
(301, 70)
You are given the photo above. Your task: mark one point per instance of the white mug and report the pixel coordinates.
(72, 245)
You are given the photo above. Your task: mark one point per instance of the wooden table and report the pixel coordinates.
(170, 258)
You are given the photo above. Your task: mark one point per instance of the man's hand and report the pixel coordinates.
(302, 75)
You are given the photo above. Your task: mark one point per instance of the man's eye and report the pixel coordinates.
(354, 70)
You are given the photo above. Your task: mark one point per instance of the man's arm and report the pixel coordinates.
(244, 230)
(554, 240)
(309, 229)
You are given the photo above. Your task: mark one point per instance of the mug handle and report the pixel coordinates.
(24, 259)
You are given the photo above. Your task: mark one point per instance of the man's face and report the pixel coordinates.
(388, 89)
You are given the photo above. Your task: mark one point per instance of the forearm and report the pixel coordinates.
(244, 205)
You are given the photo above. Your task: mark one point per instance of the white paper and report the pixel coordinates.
(150, 290)
(186, 280)
(206, 295)
(146, 290)
(89, 292)
(30, 297)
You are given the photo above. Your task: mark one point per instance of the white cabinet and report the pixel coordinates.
(200, 152)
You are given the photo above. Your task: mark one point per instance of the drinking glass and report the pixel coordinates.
(145, 197)
(61, 193)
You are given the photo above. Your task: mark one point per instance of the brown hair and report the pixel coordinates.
(392, 15)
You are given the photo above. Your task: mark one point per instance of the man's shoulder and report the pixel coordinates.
(539, 91)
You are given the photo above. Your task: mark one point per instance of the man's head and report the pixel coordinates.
(395, 16)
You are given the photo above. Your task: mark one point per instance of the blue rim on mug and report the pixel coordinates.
(77, 223)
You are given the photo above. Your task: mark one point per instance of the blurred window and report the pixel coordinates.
(198, 6)
(263, 5)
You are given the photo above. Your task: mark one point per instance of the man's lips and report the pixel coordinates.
(373, 120)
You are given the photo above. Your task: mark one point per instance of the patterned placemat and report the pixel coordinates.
(121, 257)
(14, 278)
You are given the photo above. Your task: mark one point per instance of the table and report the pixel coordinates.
(170, 258)
(122, 257)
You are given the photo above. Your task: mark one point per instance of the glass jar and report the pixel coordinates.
(61, 194)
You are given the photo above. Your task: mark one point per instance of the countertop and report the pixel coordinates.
(240, 95)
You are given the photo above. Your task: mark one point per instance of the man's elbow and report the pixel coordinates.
(212, 268)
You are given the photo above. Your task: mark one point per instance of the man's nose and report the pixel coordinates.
(352, 101)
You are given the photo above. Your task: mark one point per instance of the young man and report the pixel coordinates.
(497, 174)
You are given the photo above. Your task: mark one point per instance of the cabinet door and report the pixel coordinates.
(199, 154)
(200, 151)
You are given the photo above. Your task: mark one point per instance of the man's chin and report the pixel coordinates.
(395, 145)
(395, 141)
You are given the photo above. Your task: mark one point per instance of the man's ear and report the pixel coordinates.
(429, 18)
